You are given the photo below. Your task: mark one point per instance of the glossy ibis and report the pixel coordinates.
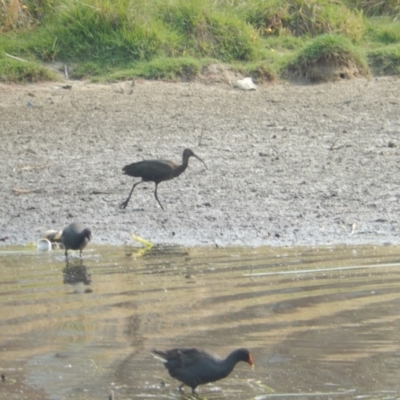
(75, 236)
(157, 171)
(195, 367)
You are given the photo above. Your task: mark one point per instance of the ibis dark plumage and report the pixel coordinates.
(157, 171)
(75, 236)
(194, 367)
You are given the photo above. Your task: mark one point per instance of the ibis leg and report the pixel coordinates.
(155, 195)
(125, 203)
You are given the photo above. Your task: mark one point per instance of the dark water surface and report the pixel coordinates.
(320, 322)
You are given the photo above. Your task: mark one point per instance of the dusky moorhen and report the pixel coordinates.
(75, 236)
(195, 367)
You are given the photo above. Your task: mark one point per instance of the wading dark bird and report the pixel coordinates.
(75, 237)
(157, 171)
(195, 367)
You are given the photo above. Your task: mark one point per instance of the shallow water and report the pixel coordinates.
(320, 322)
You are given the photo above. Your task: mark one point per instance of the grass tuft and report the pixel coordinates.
(171, 69)
(15, 71)
(261, 71)
(328, 57)
(385, 60)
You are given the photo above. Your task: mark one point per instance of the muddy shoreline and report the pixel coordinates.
(287, 164)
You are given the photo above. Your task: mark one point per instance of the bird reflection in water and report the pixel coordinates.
(77, 275)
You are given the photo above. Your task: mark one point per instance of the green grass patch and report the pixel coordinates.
(385, 60)
(285, 43)
(122, 31)
(383, 30)
(261, 71)
(88, 70)
(172, 69)
(377, 7)
(15, 71)
(174, 39)
(206, 31)
(113, 32)
(328, 57)
(34, 46)
(304, 18)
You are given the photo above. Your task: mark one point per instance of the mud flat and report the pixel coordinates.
(287, 164)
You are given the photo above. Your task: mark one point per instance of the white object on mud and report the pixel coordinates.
(43, 245)
(245, 84)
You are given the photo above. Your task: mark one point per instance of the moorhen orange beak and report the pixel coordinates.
(250, 361)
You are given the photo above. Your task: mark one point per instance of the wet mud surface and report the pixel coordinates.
(286, 164)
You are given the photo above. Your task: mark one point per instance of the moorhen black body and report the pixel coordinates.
(195, 367)
(75, 237)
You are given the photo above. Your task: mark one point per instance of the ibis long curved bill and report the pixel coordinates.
(157, 171)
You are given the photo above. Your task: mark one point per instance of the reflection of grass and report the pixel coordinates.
(175, 39)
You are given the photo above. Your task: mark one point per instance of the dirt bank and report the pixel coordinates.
(287, 164)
